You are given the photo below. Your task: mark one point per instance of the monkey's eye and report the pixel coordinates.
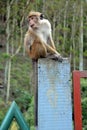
(31, 18)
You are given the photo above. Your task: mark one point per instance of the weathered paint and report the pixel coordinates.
(77, 98)
(54, 95)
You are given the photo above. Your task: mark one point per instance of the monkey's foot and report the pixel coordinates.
(55, 57)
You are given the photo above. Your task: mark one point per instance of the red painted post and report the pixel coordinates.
(77, 101)
(77, 98)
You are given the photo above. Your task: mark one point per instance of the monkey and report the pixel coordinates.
(38, 39)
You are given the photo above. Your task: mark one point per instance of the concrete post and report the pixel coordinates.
(54, 95)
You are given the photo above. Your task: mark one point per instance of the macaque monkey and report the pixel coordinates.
(38, 39)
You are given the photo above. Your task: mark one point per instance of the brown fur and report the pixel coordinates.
(37, 50)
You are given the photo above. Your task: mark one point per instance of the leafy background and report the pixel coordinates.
(69, 29)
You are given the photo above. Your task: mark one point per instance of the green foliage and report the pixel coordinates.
(3, 109)
(6, 56)
(29, 115)
(21, 88)
(84, 112)
(85, 53)
(2, 30)
(1, 67)
(84, 102)
(1, 115)
(23, 99)
(1, 112)
(32, 128)
(22, 70)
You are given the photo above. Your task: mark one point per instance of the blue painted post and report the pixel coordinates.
(54, 95)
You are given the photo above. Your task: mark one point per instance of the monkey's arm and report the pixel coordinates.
(28, 41)
(53, 54)
(51, 42)
(51, 49)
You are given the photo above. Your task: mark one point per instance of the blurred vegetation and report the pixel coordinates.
(21, 90)
(84, 102)
(65, 19)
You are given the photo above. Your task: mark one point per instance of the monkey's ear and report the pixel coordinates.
(41, 16)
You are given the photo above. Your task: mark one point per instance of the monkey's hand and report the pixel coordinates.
(55, 57)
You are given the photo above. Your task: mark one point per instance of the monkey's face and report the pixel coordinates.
(33, 22)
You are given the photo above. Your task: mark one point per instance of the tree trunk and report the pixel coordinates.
(81, 39)
(64, 34)
(21, 37)
(8, 63)
(54, 20)
(73, 37)
(44, 8)
(7, 29)
(7, 49)
(8, 84)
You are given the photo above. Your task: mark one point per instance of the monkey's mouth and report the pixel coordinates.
(32, 25)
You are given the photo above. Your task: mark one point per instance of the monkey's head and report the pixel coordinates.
(34, 19)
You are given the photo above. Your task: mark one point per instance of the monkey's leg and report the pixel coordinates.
(53, 54)
(51, 50)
